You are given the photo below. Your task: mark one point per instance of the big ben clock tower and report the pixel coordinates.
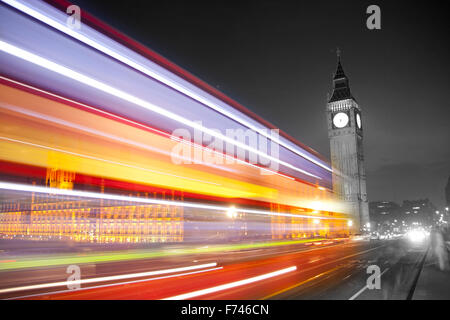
(345, 131)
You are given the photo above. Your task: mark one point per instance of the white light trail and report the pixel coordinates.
(145, 127)
(71, 32)
(231, 285)
(113, 278)
(108, 136)
(94, 195)
(50, 65)
(115, 284)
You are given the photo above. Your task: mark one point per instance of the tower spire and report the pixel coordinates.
(341, 87)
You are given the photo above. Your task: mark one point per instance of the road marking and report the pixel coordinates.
(356, 295)
(109, 278)
(322, 264)
(342, 258)
(299, 284)
(231, 285)
(297, 251)
(154, 273)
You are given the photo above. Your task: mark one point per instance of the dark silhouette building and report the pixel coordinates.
(420, 211)
(383, 210)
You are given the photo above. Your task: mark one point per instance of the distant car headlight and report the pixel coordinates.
(417, 235)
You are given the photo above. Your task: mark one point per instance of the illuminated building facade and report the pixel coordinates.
(47, 217)
(110, 129)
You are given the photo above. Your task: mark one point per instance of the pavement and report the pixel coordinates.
(433, 283)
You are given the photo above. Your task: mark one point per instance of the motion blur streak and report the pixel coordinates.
(26, 188)
(111, 278)
(31, 296)
(299, 283)
(47, 93)
(114, 160)
(232, 284)
(45, 63)
(165, 80)
(104, 160)
(133, 123)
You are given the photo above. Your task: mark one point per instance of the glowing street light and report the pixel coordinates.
(350, 223)
(316, 221)
(231, 212)
(417, 235)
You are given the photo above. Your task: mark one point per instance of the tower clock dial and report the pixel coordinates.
(358, 120)
(340, 120)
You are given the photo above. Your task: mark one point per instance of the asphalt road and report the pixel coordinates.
(323, 270)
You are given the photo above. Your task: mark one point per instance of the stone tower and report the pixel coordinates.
(345, 131)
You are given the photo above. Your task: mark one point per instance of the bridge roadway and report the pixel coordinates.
(323, 270)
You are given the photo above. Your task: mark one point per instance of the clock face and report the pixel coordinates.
(358, 120)
(340, 120)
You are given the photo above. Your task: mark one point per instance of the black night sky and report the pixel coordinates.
(277, 59)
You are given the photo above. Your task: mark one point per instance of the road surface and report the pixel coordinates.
(317, 270)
